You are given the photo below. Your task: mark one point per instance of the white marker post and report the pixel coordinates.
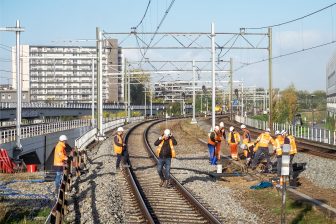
(284, 174)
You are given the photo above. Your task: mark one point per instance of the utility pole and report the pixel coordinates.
(242, 99)
(17, 29)
(231, 74)
(151, 103)
(193, 120)
(270, 120)
(254, 102)
(99, 84)
(145, 103)
(129, 96)
(92, 94)
(125, 85)
(213, 75)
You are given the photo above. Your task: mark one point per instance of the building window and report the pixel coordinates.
(9, 96)
(3, 96)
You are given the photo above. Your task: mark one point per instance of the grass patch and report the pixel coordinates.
(24, 216)
(297, 212)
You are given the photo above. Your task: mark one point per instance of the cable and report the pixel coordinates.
(143, 17)
(293, 20)
(287, 54)
(158, 27)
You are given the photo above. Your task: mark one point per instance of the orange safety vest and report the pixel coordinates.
(118, 149)
(264, 140)
(158, 150)
(293, 149)
(209, 139)
(279, 141)
(218, 136)
(246, 137)
(236, 137)
(60, 154)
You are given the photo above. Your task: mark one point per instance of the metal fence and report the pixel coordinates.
(9, 135)
(309, 133)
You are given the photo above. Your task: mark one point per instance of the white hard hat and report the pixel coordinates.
(216, 128)
(277, 132)
(242, 126)
(221, 124)
(231, 128)
(63, 138)
(120, 129)
(283, 132)
(268, 130)
(166, 132)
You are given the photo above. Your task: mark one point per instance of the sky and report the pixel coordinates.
(51, 22)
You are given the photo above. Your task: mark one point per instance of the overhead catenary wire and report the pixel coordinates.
(144, 15)
(287, 54)
(293, 20)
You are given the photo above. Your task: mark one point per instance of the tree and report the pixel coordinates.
(285, 109)
(138, 84)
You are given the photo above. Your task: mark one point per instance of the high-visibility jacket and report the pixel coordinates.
(218, 136)
(118, 144)
(279, 141)
(212, 138)
(60, 154)
(158, 149)
(293, 149)
(246, 137)
(264, 140)
(222, 133)
(233, 138)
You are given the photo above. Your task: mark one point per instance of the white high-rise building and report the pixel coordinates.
(63, 74)
(331, 86)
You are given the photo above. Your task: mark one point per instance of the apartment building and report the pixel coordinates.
(63, 74)
(331, 86)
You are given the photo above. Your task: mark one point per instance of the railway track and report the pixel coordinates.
(159, 204)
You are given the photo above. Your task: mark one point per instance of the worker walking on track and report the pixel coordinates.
(292, 151)
(279, 141)
(165, 152)
(221, 134)
(233, 140)
(120, 148)
(60, 158)
(263, 142)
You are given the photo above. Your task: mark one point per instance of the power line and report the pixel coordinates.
(293, 20)
(143, 17)
(158, 27)
(287, 54)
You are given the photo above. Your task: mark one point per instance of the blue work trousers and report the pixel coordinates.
(164, 162)
(212, 157)
(58, 177)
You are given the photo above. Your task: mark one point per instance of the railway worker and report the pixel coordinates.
(222, 134)
(60, 158)
(279, 141)
(247, 144)
(165, 152)
(120, 148)
(218, 139)
(233, 140)
(211, 144)
(263, 142)
(292, 151)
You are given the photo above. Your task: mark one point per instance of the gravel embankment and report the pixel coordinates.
(96, 196)
(319, 171)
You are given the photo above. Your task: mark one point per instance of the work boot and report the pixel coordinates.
(168, 185)
(161, 183)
